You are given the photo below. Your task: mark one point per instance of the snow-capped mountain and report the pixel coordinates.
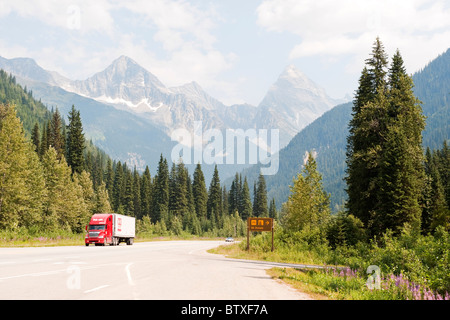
(293, 102)
(124, 84)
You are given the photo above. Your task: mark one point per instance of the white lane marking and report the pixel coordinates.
(127, 271)
(97, 288)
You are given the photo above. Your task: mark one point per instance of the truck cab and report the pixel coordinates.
(110, 228)
(99, 230)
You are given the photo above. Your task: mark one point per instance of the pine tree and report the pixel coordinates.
(235, 194)
(109, 179)
(35, 137)
(128, 199)
(179, 202)
(118, 187)
(246, 209)
(384, 153)
(200, 193)
(44, 141)
(401, 179)
(260, 208)
(214, 204)
(146, 193)
(366, 132)
(75, 141)
(436, 211)
(272, 209)
(56, 138)
(161, 192)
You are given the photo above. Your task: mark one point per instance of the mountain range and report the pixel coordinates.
(130, 113)
(327, 136)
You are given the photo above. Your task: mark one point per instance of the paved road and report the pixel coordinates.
(171, 270)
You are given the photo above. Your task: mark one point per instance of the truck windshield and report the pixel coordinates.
(97, 227)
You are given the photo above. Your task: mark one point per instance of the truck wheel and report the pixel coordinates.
(87, 244)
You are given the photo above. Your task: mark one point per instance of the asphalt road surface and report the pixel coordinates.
(167, 270)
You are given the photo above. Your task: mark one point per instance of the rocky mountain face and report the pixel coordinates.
(291, 103)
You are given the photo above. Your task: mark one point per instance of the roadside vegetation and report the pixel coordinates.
(412, 266)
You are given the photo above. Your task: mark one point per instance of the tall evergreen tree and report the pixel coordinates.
(56, 138)
(272, 209)
(235, 194)
(246, 207)
(214, 204)
(161, 192)
(146, 193)
(261, 209)
(367, 129)
(75, 141)
(384, 153)
(35, 137)
(200, 193)
(118, 187)
(401, 179)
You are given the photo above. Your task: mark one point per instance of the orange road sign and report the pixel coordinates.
(260, 224)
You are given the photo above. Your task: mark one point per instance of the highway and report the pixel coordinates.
(164, 270)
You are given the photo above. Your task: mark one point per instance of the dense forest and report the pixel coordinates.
(52, 178)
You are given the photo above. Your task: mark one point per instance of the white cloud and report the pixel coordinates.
(83, 15)
(419, 28)
(174, 39)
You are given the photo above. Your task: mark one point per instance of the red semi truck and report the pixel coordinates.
(110, 228)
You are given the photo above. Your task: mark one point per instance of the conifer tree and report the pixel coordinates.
(35, 137)
(214, 204)
(179, 192)
(146, 193)
(246, 208)
(44, 141)
(199, 192)
(272, 209)
(260, 208)
(109, 179)
(161, 192)
(119, 180)
(401, 178)
(366, 132)
(128, 199)
(56, 138)
(235, 194)
(75, 141)
(384, 153)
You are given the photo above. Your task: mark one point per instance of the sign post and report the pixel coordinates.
(259, 225)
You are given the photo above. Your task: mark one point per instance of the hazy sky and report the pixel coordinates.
(234, 49)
